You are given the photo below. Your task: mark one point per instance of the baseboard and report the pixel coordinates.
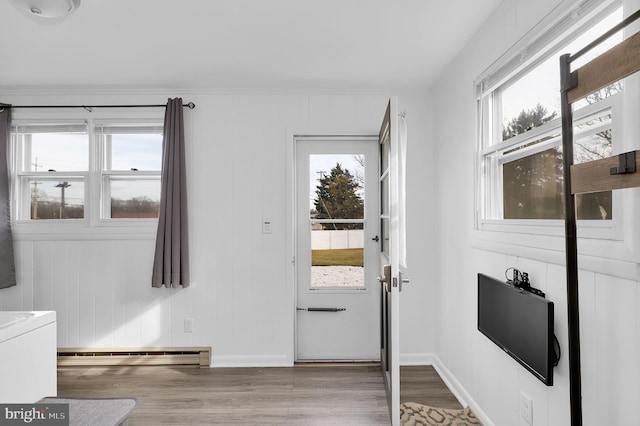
(220, 361)
(416, 359)
(459, 391)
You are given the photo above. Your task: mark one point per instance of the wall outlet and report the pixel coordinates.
(526, 408)
(188, 325)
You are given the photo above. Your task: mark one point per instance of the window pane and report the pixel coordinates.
(534, 98)
(136, 151)
(131, 198)
(385, 235)
(593, 144)
(594, 206)
(58, 151)
(337, 255)
(385, 154)
(336, 186)
(532, 186)
(532, 189)
(384, 195)
(53, 199)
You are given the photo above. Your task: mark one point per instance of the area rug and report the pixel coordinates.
(413, 414)
(96, 411)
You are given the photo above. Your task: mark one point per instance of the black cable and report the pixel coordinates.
(516, 274)
(557, 353)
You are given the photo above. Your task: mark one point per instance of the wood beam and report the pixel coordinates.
(615, 64)
(595, 176)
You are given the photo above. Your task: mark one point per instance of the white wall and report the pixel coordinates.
(609, 309)
(241, 295)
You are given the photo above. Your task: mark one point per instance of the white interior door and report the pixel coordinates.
(337, 240)
(390, 277)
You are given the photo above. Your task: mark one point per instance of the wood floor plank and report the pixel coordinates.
(246, 396)
(423, 385)
(303, 395)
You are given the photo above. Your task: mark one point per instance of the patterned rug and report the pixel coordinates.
(413, 414)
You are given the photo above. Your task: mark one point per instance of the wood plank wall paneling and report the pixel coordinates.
(97, 288)
(609, 318)
(241, 297)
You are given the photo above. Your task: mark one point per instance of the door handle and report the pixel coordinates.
(385, 278)
(322, 309)
(376, 239)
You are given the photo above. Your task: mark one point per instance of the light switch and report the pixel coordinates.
(266, 226)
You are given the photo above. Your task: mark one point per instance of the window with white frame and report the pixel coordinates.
(130, 172)
(86, 171)
(519, 126)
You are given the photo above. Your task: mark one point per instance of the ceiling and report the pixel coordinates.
(239, 44)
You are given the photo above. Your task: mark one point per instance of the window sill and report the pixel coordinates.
(588, 229)
(546, 243)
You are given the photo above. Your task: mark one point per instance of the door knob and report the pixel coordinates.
(376, 239)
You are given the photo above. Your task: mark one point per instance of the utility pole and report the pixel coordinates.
(35, 192)
(62, 186)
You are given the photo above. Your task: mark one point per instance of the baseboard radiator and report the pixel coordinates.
(194, 356)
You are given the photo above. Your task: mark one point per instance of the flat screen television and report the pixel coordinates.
(519, 322)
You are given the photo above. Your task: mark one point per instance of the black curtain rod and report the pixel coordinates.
(190, 105)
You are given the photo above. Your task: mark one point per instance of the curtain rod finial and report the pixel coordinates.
(191, 105)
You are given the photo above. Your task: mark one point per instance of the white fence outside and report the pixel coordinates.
(328, 240)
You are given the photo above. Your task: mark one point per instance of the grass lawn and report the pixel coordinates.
(340, 257)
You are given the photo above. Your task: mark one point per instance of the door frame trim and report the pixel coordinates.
(293, 137)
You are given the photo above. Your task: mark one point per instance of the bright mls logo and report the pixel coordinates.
(34, 414)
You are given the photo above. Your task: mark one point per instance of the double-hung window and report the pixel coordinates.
(52, 170)
(87, 172)
(520, 181)
(130, 169)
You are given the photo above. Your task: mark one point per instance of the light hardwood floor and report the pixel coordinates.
(302, 395)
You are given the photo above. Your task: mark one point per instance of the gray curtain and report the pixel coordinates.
(171, 261)
(7, 263)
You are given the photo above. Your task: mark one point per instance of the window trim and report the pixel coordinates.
(93, 225)
(600, 229)
(614, 251)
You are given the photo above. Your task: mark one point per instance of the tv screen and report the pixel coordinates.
(519, 322)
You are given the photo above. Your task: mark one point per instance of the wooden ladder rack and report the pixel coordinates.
(610, 173)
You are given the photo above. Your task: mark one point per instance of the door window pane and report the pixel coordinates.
(336, 186)
(337, 255)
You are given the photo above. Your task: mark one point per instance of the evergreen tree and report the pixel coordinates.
(526, 120)
(337, 198)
